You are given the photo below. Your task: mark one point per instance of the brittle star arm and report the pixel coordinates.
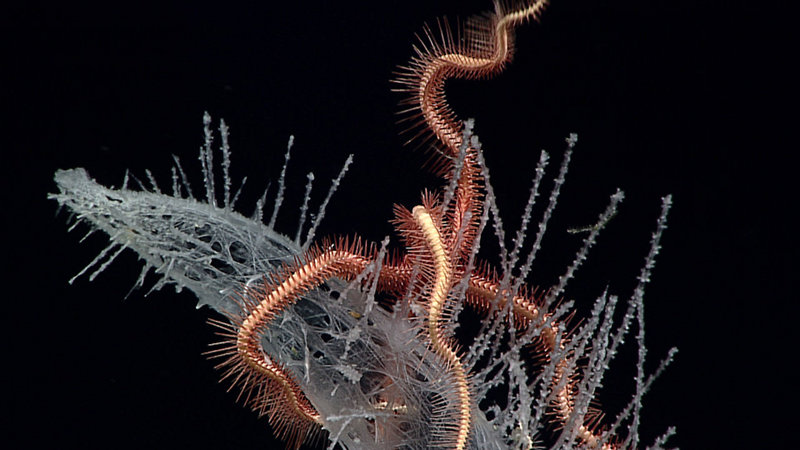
(274, 389)
(482, 291)
(442, 284)
(482, 52)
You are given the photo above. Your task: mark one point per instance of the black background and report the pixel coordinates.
(680, 97)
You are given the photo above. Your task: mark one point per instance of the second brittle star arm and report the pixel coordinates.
(482, 291)
(439, 291)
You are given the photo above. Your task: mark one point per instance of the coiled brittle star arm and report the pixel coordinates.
(482, 52)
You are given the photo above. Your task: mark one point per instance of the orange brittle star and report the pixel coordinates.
(440, 240)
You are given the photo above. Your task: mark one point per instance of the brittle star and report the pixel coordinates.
(439, 236)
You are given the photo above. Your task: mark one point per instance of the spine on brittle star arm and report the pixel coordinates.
(441, 287)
